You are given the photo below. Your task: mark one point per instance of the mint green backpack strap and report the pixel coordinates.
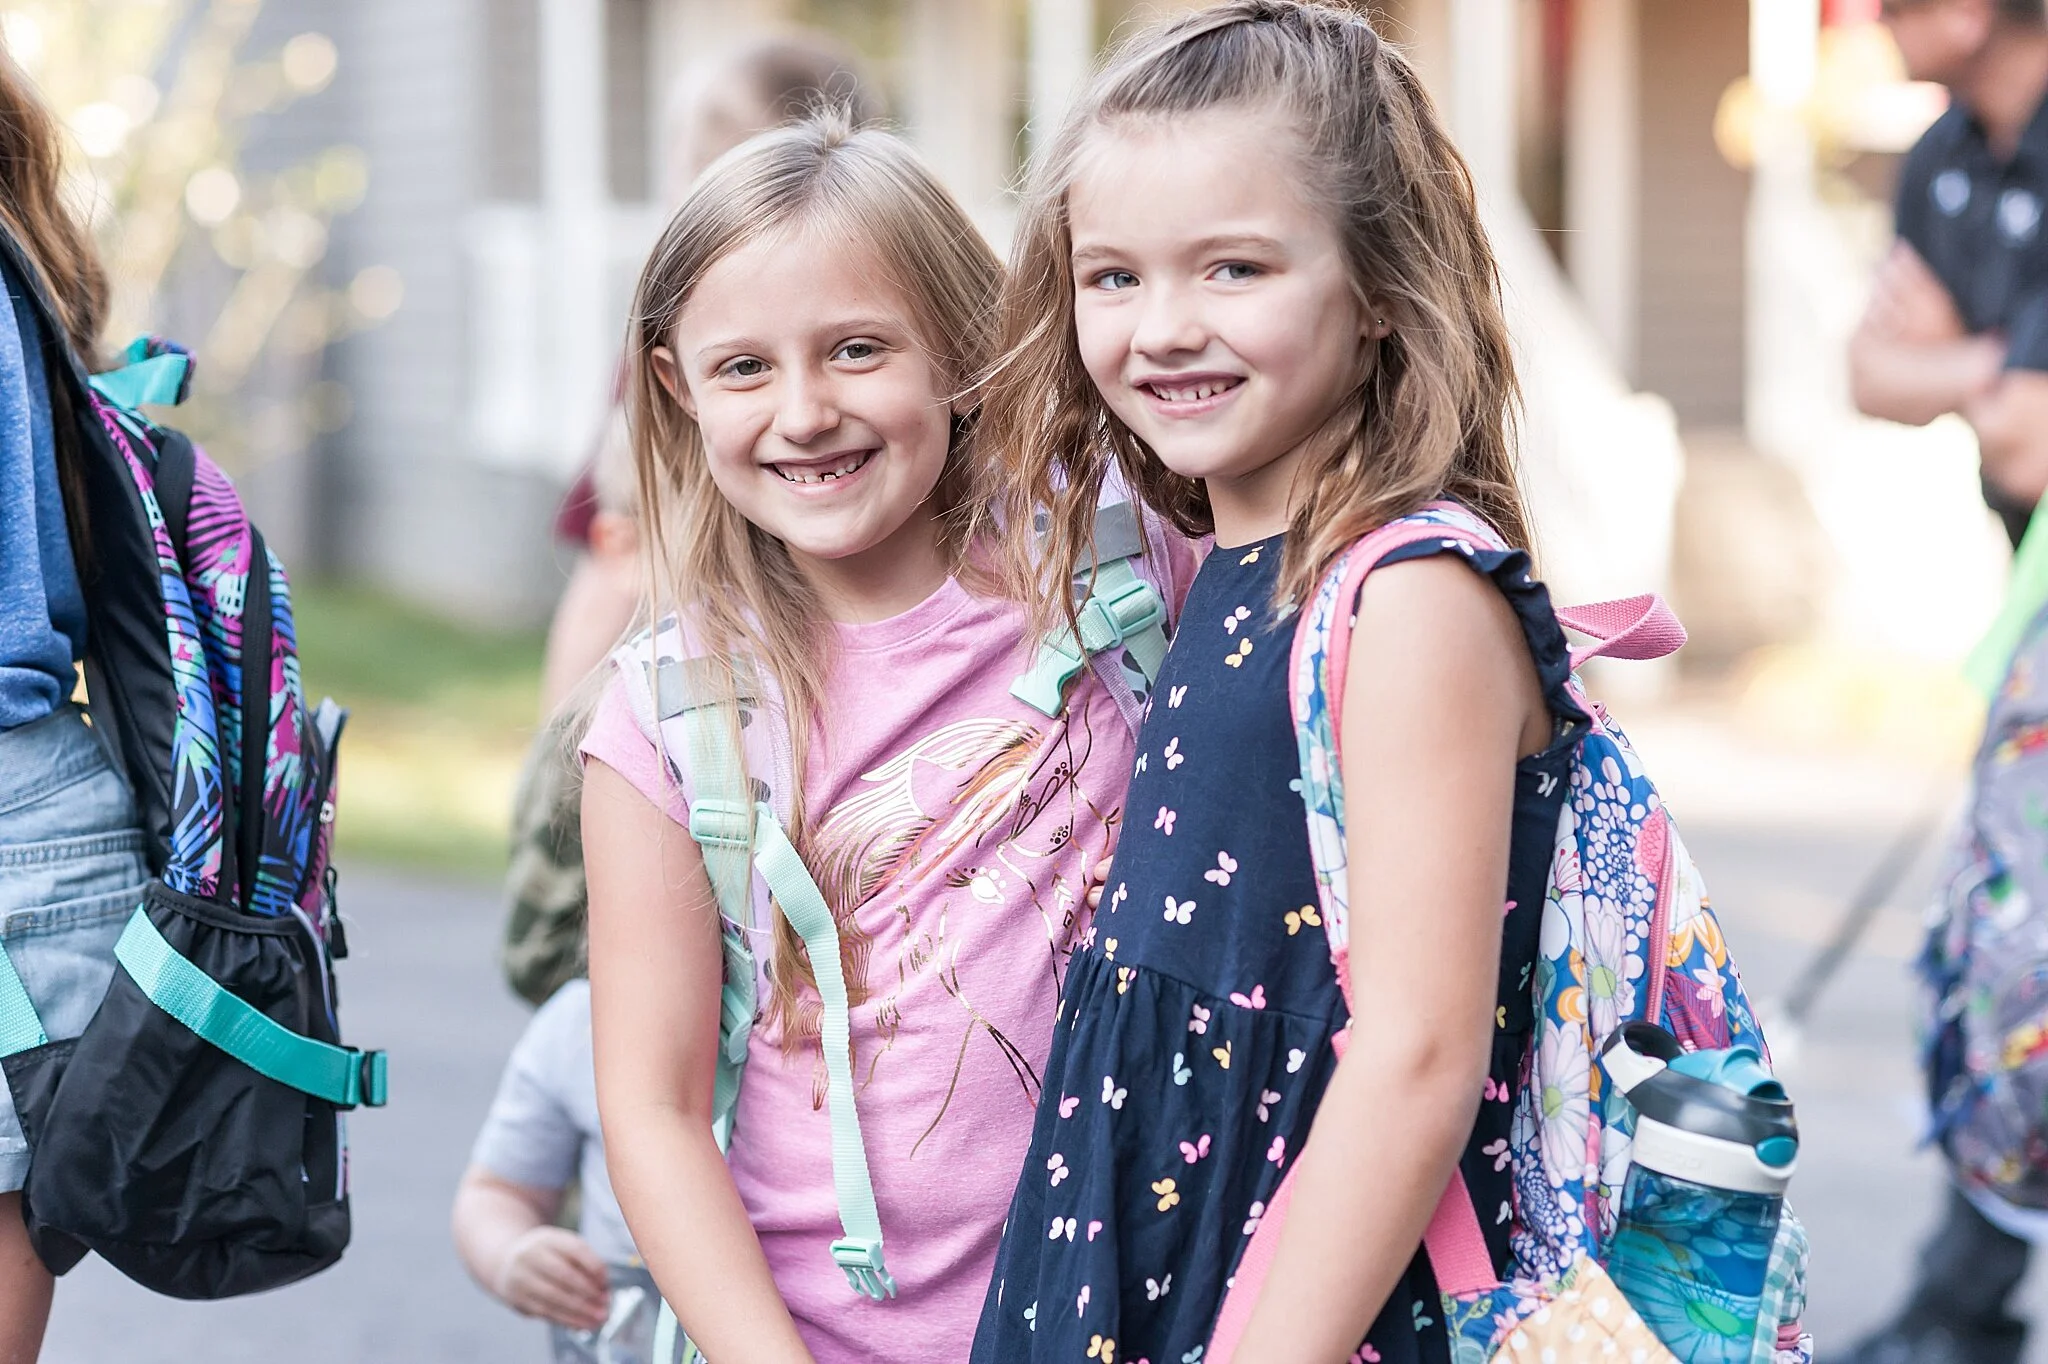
(733, 829)
(721, 823)
(1121, 609)
(158, 380)
(21, 1028)
(858, 1253)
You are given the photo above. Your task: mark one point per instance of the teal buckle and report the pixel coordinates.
(1107, 621)
(370, 1080)
(722, 823)
(861, 1260)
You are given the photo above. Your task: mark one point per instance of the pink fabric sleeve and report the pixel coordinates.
(1183, 557)
(614, 739)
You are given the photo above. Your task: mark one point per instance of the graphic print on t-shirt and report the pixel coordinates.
(967, 822)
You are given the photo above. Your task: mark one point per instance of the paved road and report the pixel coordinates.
(1780, 840)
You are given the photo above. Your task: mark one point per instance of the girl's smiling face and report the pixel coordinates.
(1213, 307)
(824, 421)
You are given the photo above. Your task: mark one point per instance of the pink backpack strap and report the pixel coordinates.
(1368, 555)
(1458, 1256)
(1636, 628)
(1457, 1248)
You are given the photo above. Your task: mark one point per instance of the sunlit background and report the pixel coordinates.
(400, 235)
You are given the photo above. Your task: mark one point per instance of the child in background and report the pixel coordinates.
(543, 945)
(542, 1134)
(807, 335)
(1251, 277)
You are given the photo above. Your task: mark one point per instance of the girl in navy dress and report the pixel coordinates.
(1252, 277)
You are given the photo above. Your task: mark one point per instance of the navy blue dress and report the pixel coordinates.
(1193, 1042)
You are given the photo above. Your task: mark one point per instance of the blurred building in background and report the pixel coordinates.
(1686, 196)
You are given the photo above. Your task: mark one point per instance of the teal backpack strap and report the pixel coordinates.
(859, 1252)
(343, 1076)
(734, 830)
(20, 1027)
(721, 824)
(1121, 609)
(159, 379)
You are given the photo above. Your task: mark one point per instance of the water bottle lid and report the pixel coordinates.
(1736, 1068)
(1726, 1096)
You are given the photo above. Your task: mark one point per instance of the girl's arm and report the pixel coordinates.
(655, 972)
(1441, 699)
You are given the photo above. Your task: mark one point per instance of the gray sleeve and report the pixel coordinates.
(530, 1135)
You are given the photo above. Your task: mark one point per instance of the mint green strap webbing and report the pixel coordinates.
(1121, 609)
(859, 1251)
(20, 1027)
(157, 380)
(340, 1075)
(736, 834)
(721, 823)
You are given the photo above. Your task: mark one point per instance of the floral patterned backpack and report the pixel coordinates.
(1627, 935)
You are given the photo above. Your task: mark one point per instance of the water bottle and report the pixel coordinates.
(1715, 1146)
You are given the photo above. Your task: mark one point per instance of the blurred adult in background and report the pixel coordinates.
(71, 864)
(714, 107)
(1958, 321)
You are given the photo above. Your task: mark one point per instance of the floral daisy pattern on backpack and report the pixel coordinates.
(1628, 935)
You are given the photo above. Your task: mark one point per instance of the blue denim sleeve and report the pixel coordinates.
(42, 611)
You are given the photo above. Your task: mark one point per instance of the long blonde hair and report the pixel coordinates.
(1434, 416)
(733, 584)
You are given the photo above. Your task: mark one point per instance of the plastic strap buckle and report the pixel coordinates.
(1108, 619)
(860, 1258)
(371, 1079)
(716, 823)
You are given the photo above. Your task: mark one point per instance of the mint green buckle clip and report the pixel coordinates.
(1114, 614)
(1108, 619)
(373, 1077)
(722, 823)
(861, 1260)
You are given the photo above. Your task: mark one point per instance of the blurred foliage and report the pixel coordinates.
(440, 716)
(161, 97)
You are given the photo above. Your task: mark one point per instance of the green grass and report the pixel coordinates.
(440, 718)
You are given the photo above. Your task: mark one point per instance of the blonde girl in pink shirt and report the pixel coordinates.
(806, 334)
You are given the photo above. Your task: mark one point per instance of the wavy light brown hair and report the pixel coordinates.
(742, 596)
(60, 250)
(1433, 413)
(32, 201)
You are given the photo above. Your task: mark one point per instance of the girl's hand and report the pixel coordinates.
(1098, 877)
(552, 1272)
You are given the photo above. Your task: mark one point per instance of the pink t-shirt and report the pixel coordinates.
(961, 825)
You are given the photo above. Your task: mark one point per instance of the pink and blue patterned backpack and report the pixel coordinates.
(194, 1134)
(1627, 936)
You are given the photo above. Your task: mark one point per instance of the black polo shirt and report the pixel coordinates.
(1977, 222)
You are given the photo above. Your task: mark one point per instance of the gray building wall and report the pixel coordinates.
(1694, 210)
(407, 506)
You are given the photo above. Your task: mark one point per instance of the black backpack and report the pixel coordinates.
(194, 1134)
